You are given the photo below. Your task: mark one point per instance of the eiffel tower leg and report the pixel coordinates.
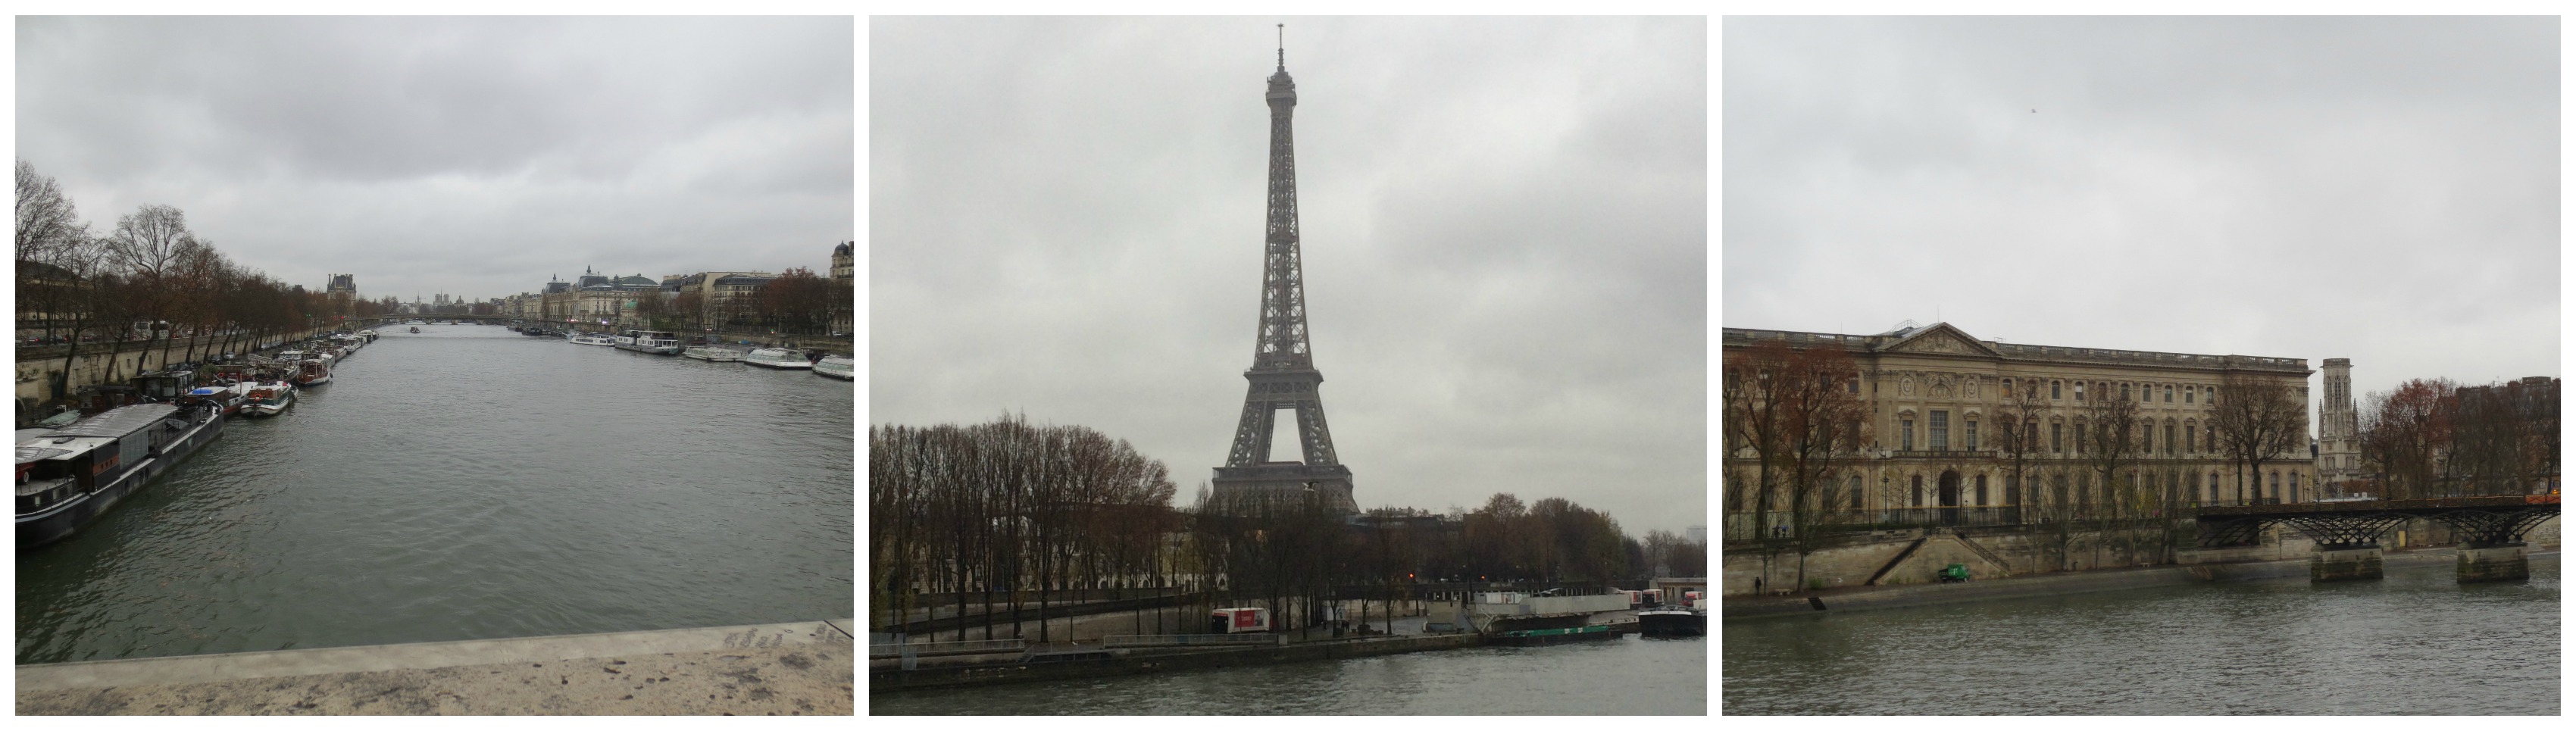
(1252, 436)
(1313, 436)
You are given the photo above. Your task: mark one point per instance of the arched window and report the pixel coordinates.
(2053, 389)
(2124, 392)
(2079, 390)
(1855, 492)
(2169, 438)
(2169, 394)
(1918, 492)
(2186, 394)
(1981, 488)
(2189, 440)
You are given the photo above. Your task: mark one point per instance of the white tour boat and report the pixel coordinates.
(837, 366)
(781, 358)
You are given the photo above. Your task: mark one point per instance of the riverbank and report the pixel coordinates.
(781, 669)
(1856, 599)
(994, 674)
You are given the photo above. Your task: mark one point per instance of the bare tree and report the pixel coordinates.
(1754, 431)
(2119, 434)
(2403, 434)
(2258, 420)
(1819, 397)
(2015, 441)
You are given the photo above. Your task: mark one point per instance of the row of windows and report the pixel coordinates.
(1940, 436)
(2144, 393)
(2267, 487)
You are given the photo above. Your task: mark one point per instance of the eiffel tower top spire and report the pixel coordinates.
(1282, 342)
(1283, 48)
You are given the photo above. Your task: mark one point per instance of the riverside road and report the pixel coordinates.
(466, 483)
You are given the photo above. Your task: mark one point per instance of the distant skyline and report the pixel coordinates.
(2379, 189)
(1504, 226)
(468, 155)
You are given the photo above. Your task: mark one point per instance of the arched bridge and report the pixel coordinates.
(2347, 534)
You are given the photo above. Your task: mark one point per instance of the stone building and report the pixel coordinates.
(1929, 390)
(343, 293)
(717, 292)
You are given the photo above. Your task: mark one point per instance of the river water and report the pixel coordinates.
(2416, 642)
(1631, 675)
(469, 482)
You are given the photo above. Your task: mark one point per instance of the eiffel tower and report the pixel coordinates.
(1283, 371)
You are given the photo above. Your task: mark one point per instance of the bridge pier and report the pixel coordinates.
(2346, 562)
(2510, 562)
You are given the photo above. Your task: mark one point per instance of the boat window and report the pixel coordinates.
(50, 469)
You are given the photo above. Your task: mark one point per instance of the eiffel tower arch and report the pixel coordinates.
(1283, 375)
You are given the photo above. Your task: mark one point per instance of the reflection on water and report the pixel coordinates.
(2416, 642)
(470, 482)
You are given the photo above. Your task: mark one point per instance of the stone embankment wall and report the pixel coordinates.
(2000, 552)
(885, 680)
(105, 363)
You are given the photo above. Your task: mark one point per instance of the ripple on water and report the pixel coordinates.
(2415, 642)
(469, 482)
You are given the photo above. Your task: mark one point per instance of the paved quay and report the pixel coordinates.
(789, 669)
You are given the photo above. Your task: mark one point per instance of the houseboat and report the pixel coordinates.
(312, 372)
(69, 477)
(649, 341)
(713, 354)
(268, 399)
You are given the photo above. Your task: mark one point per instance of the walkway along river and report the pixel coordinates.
(469, 482)
(2415, 642)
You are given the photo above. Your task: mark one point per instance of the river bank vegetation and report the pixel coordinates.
(149, 282)
(1007, 513)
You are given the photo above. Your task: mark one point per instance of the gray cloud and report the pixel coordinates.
(2382, 189)
(473, 156)
(1504, 227)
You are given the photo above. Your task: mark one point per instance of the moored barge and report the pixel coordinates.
(70, 476)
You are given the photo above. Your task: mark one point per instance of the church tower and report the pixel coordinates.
(2338, 432)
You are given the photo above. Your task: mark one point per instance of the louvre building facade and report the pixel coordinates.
(1933, 395)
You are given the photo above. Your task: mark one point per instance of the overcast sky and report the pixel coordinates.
(1504, 224)
(2380, 189)
(472, 156)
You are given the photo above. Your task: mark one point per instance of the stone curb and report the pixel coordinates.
(419, 655)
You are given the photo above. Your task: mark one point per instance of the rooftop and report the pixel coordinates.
(1882, 342)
